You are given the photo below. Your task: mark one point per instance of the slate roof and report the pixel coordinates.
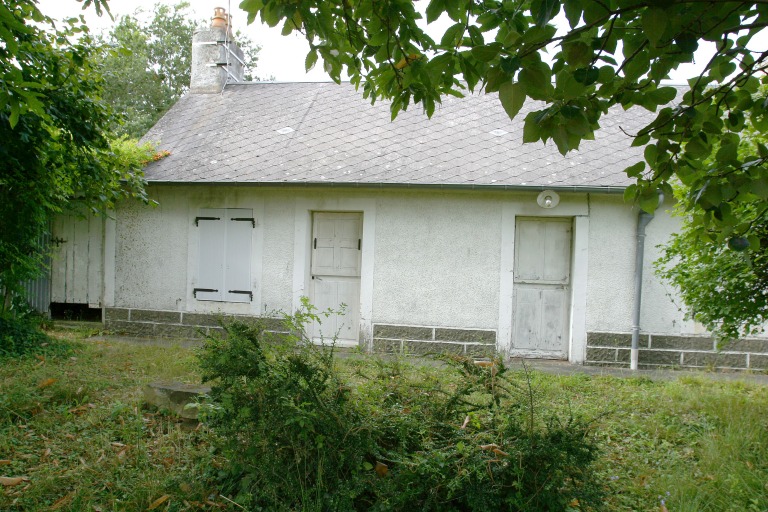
(302, 133)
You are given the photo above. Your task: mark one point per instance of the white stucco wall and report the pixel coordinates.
(278, 261)
(437, 259)
(610, 290)
(431, 257)
(151, 252)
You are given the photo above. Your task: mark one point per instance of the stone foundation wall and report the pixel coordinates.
(408, 339)
(613, 349)
(173, 324)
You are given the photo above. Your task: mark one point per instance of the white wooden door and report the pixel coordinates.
(335, 275)
(542, 287)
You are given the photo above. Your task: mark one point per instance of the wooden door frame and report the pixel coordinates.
(531, 352)
(576, 207)
(305, 206)
(314, 282)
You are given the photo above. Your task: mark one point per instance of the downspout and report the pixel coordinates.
(643, 219)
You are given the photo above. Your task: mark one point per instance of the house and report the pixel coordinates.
(446, 234)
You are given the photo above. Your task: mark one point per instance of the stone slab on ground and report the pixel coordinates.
(177, 397)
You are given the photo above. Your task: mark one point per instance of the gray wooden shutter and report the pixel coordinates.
(210, 265)
(237, 274)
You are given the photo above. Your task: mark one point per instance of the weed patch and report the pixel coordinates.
(298, 436)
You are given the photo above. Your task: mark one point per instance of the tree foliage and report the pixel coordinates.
(612, 53)
(55, 145)
(147, 64)
(725, 285)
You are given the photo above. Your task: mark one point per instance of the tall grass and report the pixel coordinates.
(84, 441)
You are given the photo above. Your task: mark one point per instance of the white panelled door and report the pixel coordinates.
(542, 287)
(335, 275)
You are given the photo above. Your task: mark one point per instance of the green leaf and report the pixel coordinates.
(577, 54)
(435, 9)
(14, 117)
(663, 95)
(536, 80)
(511, 38)
(633, 171)
(512, 97)
(510, 64)
(641, 140)
(486, 53)
(759, 187)
(649, 200)
(630, 192)
(727, 153)
(697, 148)
(726, 68)
(573, 12)
(568, 86)
(453, 35)
(544, 10)
(531, 128)
(651, 153)
(537, 34)
(494, 79)
(310, 60)
(687, 42)
(587, 76)
(654, 21)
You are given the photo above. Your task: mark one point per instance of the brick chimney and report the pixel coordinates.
(216, 58)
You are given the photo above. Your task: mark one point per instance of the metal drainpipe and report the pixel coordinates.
(643, 219)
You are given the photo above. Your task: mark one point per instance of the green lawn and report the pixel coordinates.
(74, 430)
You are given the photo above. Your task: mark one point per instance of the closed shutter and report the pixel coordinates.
(224, 263)
(210, 263)
(237, 274)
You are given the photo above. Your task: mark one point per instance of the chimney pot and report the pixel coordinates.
(216, 58)
(222, 20)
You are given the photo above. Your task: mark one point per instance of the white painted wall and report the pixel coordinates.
(610, 289)
(430, 257)
(437, 259)
(151, 252)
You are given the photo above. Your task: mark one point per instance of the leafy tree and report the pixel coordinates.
(55, 145)
(613, 53)
(724, 284)
(148, 62)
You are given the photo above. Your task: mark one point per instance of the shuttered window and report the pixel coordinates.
(224, 255)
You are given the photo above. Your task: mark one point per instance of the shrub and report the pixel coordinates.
(298, 436)
(291, 433)
(22, 335)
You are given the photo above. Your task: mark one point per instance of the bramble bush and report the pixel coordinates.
(298, 434)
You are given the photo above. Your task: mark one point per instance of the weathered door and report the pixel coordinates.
(335, 274)
(77, 268)
(542, 287)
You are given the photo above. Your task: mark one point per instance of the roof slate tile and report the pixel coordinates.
(336, 136)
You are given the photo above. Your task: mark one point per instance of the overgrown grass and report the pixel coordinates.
(73, 427)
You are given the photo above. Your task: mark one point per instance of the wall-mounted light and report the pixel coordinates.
(548, 199)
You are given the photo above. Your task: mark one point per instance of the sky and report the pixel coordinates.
(281, 57)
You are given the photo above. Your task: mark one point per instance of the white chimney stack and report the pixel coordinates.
(216, 58)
